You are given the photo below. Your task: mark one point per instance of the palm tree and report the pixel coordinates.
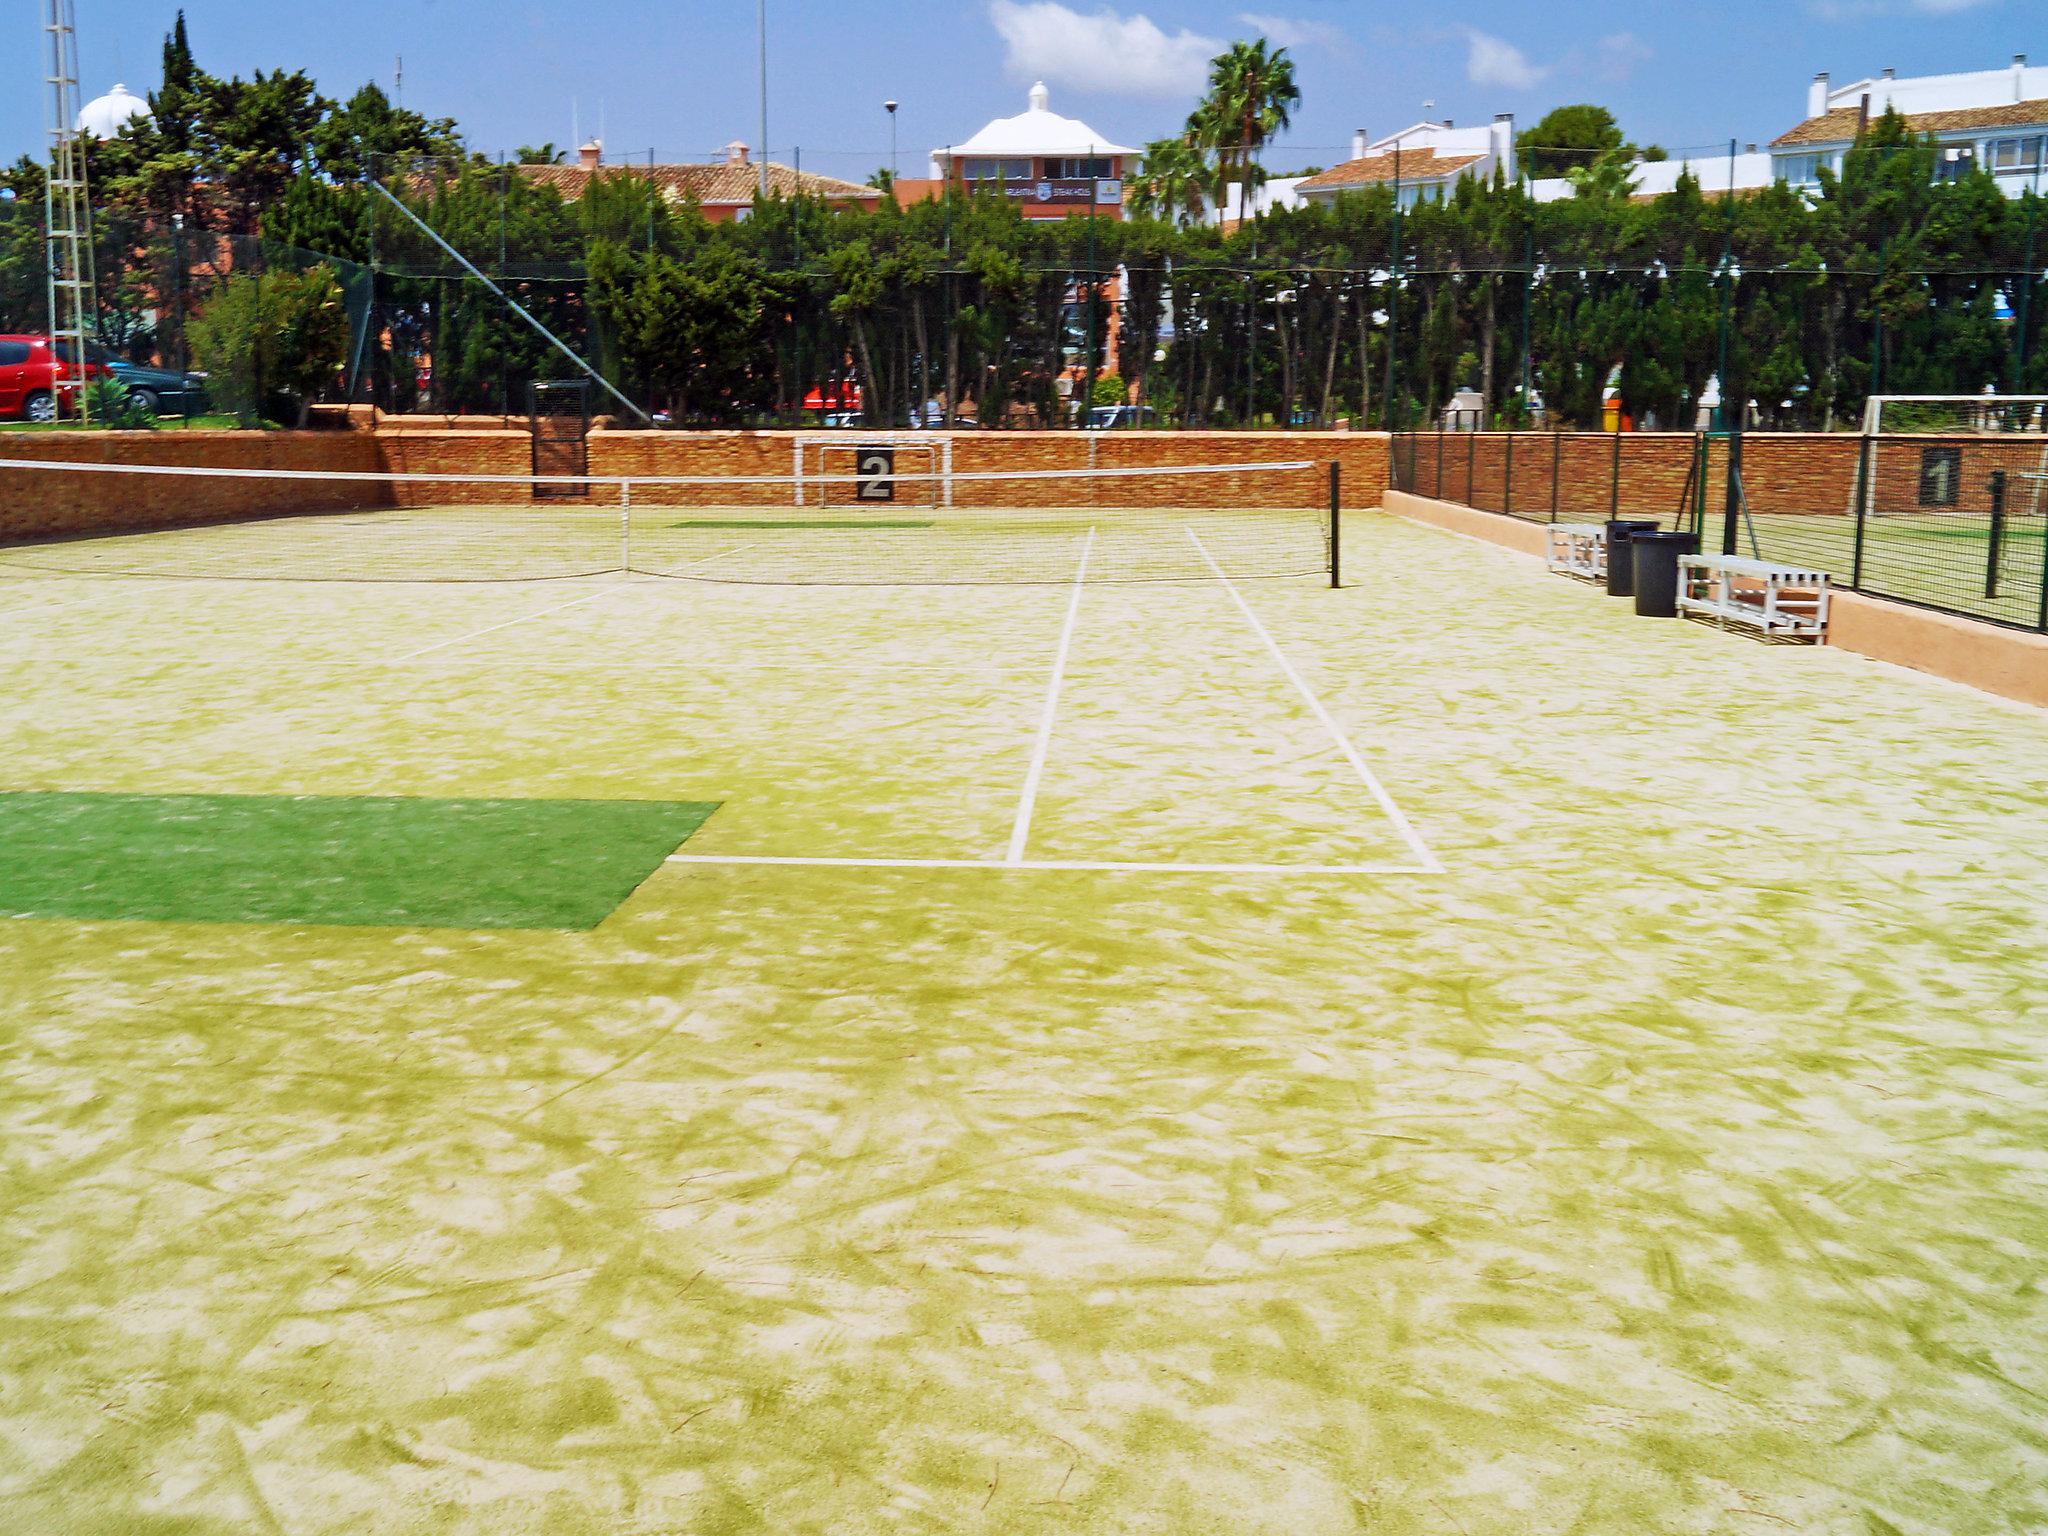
(1171, 182)
(1251, 97)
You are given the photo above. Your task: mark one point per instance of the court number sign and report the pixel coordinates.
(875, 474)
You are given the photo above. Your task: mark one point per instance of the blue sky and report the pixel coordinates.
(680, 77)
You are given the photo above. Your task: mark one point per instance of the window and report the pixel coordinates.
(996, 170)
(2016, 157)
(13, 353)
(1081, 168)
(1802, 170)
(1941, 476)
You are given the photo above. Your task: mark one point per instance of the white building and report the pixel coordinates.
(105, 116)
(1994, 118)
(1422, 162)
(1048, 165)
(1748, 170)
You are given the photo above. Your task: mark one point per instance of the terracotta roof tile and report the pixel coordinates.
(1840, 125)
(716, 183)
(1373, 170)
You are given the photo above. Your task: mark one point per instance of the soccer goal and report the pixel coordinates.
(881, 470)
(1932, 454)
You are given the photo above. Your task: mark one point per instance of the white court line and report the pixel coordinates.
(1006, 865)
(541, 613)
(1021, 831)
(1379, 793)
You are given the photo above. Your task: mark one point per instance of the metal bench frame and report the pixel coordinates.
(1780, 600)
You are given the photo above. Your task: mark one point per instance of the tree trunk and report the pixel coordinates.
(1364, 355)
(871, 384)
(1489, 325)
(1336, 313)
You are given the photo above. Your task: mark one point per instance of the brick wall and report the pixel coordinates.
(37, 504)
(33, 504)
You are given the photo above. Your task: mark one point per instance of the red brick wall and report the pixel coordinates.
(35, 504)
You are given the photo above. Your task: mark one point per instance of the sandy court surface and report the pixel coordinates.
(1672, 1158)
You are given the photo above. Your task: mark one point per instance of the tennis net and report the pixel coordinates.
(868, 525)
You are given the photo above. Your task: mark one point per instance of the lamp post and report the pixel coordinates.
(890, 108)
(761, 27)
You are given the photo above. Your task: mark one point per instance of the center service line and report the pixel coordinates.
(1021, 831)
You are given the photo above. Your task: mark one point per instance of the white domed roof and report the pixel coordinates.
(105, 117)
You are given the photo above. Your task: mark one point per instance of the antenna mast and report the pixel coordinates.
(67, 212)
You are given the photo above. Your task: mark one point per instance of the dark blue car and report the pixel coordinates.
(161, 391)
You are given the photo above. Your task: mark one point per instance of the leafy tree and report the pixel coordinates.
(1252, 95)
(1172, 182)
(1566, 139)
(271, 339)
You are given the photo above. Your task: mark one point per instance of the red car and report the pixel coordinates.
(28, 378)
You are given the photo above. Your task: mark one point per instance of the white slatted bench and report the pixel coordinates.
(1780, 600)
(1579, 549)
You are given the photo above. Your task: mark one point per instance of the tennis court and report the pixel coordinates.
(1149, 1043)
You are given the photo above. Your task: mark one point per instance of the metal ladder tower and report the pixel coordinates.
(67, 213)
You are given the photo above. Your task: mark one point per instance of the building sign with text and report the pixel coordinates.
(1069, 191)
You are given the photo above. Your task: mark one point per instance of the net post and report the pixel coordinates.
(1336, 526)
(1731, 517)
(1997, 538)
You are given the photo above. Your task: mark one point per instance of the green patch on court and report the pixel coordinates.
(815, 522)
(357, 861)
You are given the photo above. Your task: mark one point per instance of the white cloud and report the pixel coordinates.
(1620, 54)
(1295, 31)
(1104, 52)
(1491, 60)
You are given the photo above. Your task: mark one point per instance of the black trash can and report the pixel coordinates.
(1655, 557)
(1621, 566)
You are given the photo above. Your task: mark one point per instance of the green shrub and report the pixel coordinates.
(269, 336)
(109, 405)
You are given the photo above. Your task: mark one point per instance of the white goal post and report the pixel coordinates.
(835, 470)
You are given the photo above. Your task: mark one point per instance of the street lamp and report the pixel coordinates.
(890, 108)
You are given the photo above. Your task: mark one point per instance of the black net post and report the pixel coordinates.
(1993, 549)
(1336, 526)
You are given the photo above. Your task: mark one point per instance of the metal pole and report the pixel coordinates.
(2026, 285)
(761, 27)
(518, 309)
(1394, 305)
(1556, 466)
(1992, 553)
(1731, 519)
(1336, 527)
(1863, 466)
(1614, 473)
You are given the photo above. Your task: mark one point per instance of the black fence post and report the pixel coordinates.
(1556, 469)
(1863, 456)
(1614, 479)
(1731, 520)
(1507, 476)
(1336, 527)
(1992, 554)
